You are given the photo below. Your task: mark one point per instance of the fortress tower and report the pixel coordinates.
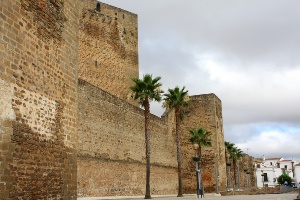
(108, 47)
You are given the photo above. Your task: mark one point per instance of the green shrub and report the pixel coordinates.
(281, 179)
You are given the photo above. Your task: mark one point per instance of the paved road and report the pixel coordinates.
(288, 196)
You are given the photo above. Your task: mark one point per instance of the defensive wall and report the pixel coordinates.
(111, 149)
(38, 103)
(66, 124)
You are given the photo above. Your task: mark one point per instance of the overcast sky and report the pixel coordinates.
(247, 52)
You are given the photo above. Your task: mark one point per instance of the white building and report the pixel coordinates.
(268, 171)
(297, 174)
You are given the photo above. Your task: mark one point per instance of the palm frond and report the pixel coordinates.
(147, 88)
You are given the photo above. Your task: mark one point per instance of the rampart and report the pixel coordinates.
(111, 149)
(111, 138)
(58, 138)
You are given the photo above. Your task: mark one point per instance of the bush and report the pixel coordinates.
(281, 179)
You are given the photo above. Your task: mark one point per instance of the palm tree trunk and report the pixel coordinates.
(148, 152)
(178, 133)
(234, 171)
(200, 173)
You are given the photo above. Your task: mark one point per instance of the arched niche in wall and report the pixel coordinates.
(98, 7)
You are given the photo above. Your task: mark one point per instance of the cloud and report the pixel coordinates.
(246, 52)
(274, 141)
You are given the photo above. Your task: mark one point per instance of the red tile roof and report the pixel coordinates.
(273, 158)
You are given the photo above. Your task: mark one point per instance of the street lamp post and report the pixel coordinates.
(198, 175)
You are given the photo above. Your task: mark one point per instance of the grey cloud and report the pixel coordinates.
(255, 46)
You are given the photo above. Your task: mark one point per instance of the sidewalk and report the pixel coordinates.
(287, 196)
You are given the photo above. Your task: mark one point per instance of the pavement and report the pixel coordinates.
(286, 196)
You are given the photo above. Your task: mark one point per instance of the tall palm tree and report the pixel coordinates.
(177, 98)
(236, 154)
(228, 149)
(201, 137)
(146, 90)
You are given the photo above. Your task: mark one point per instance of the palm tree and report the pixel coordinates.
(177, 98)
(228, 149)
(201, 137)
(146, 90)
(236, 154)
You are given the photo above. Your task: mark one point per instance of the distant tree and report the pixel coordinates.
(177, 98)
(229, 153)
(236, 154)
(284, 177)
(146, 90)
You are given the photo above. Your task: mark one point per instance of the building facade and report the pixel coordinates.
(268, 171)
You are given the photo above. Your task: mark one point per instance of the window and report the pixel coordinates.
(278, 165)
(98, 7)
(258, 165)
(285, 166)
(271, 163)
(265, 177)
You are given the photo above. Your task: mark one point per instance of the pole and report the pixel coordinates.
(197, 179)
(200, 180)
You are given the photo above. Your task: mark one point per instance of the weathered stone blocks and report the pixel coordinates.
(38, 84)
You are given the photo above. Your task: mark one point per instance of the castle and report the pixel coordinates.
(67, 128)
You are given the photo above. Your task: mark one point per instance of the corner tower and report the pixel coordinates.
(205, 112)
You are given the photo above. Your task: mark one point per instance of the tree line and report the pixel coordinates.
(149, 89)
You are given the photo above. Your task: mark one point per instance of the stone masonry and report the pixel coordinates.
(108, 47)
(38, 103)
(205, 111)
(111, 148)
(67, 125)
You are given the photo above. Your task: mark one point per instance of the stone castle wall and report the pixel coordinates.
(55, 135)
(111, 148)
(108, 47)
(38, 103)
